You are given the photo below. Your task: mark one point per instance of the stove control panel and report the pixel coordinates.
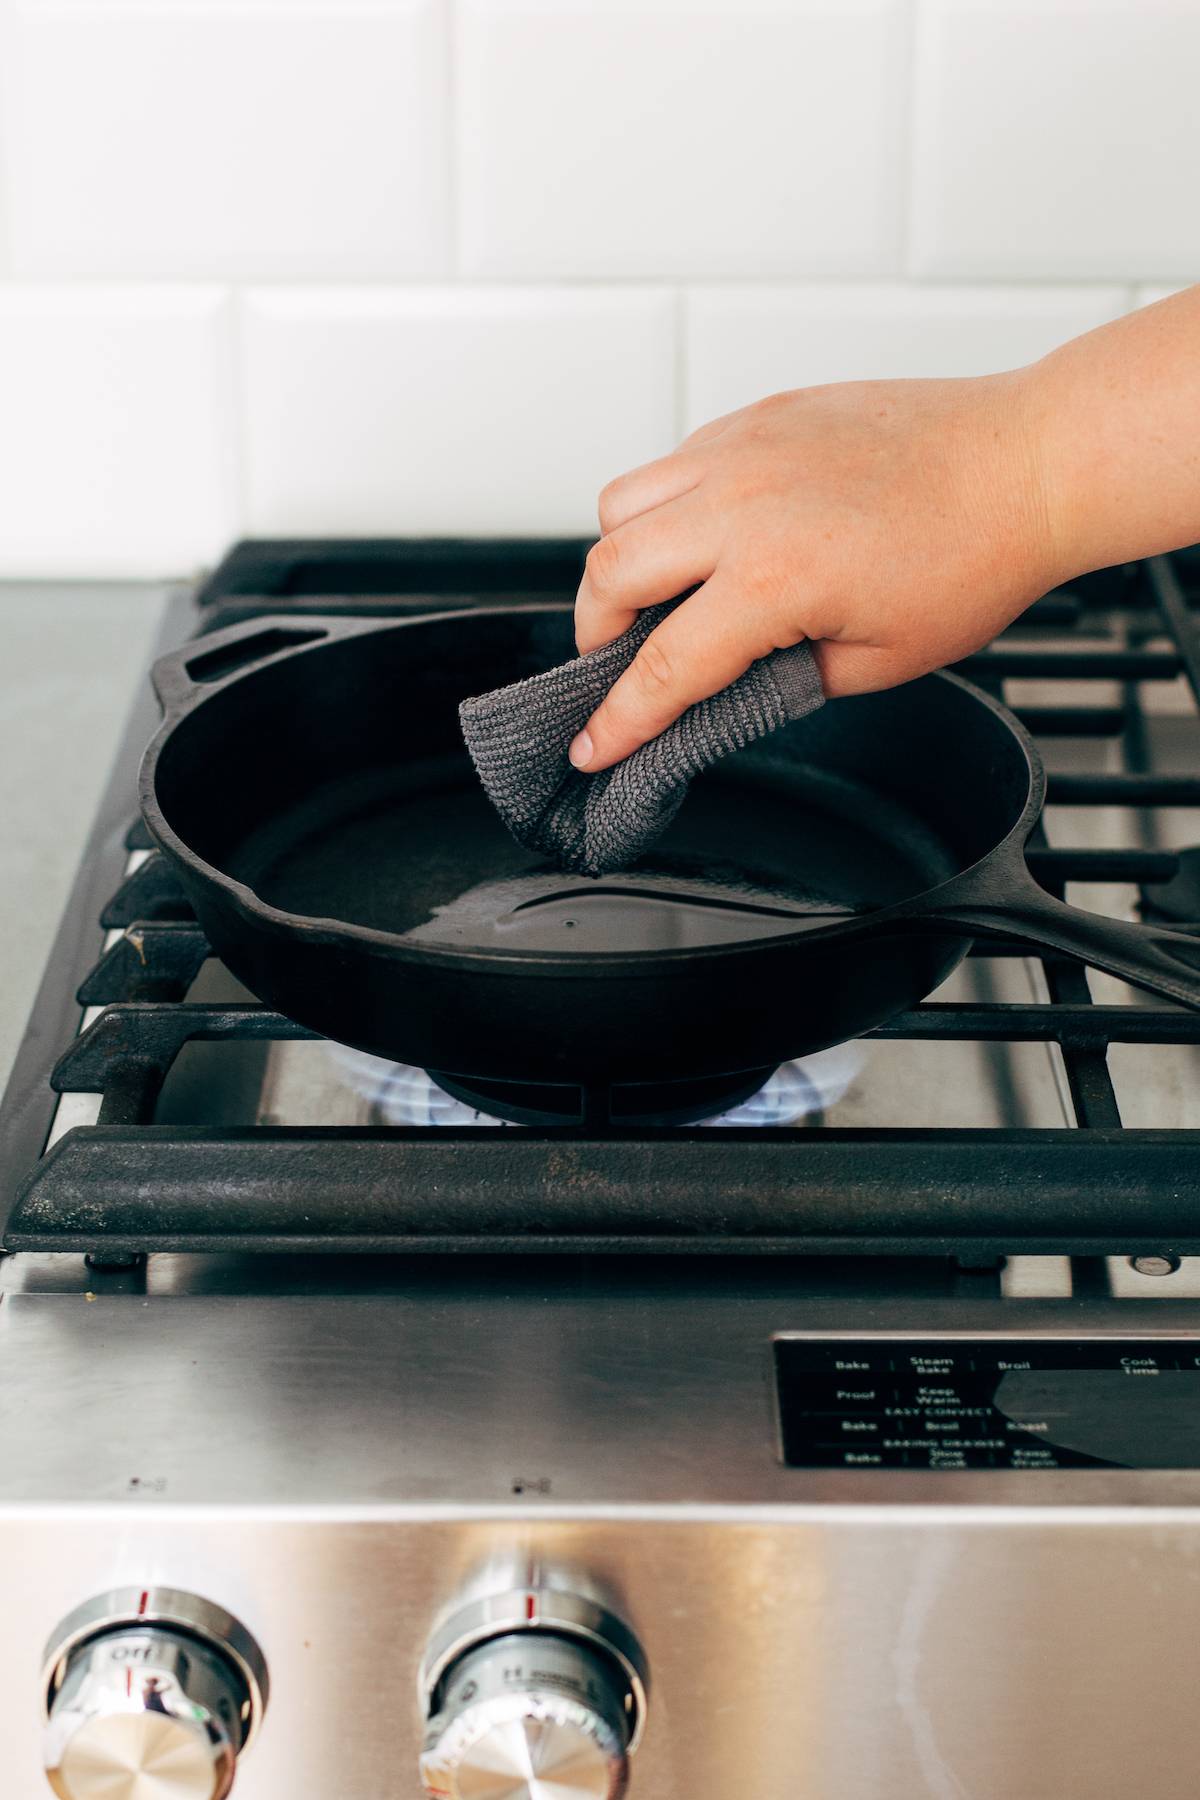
(531, 1693)
(150, 1692)
(989, 1403)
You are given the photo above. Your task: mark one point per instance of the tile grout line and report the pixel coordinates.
(584, 284)
(451, 38)
(915, 16)
(680, 314)
(239, 473)
(8, 36)
(581, 283)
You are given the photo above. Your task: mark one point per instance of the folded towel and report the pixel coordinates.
(518, 738)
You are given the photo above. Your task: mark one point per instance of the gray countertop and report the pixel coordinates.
(70, 659)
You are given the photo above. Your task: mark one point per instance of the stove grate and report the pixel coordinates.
(126, 1184)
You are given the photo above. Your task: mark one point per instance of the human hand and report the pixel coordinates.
(897, 524)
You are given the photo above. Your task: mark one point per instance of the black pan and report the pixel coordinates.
(310, 786)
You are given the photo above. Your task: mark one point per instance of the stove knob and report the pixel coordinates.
(528, 1716)
(147, 1709)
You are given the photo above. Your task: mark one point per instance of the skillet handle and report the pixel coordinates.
(1149, 956)
(205, 664)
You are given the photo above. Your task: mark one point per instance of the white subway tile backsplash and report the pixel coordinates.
(206, 6)
(1057, 138)
(450, 410)
(743, 342)
(376, 169)
(170, 140)
(5, 58)
(116, 430)
(657, 137)
(1146, 296)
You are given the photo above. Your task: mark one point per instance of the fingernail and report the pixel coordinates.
(582, 749)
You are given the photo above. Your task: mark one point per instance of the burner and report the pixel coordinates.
(794, 1093)
(633, 1103)
(1175, 902)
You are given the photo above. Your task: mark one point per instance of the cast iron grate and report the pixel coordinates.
(127, 1185)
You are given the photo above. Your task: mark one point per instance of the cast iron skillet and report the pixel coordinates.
(310, 786)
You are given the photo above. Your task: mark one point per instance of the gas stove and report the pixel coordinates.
(839, 1436)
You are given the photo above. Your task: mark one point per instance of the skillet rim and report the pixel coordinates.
(315, 930)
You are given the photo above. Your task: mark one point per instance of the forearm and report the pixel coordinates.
(1115, 420)
(899, 525)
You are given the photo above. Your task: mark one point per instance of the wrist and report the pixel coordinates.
(1053, 515)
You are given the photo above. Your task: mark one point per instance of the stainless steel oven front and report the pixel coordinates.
(453, 1515)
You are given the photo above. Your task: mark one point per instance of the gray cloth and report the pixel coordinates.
(518, 738)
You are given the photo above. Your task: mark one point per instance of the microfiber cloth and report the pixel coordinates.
(518, 738)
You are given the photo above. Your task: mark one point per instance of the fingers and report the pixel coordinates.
(697, 650)
(652, 558)
(657, 482)
(617, 574)
(652, 485)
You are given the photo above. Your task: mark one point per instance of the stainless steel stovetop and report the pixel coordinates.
(918, 1516)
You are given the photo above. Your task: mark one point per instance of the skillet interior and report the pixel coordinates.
(334, 784)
